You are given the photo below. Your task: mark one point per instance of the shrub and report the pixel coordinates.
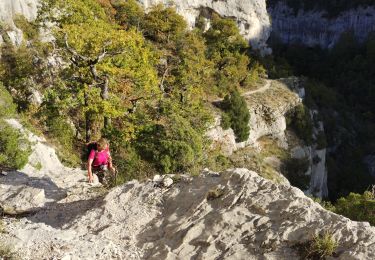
(129, 13)
(294, 170)
(14, 148)
(127, 161)
(7, 107)
(29, 29)
(58, 128)
(358, 207)
(7, 253)
(322, 246)
(300, 121)
(163, 24)
(172, 147)
(225, 121)
(237, 112)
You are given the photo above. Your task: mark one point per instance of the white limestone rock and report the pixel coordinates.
(253, 218)
(167, 182)
(9, 9)
(20, 199)
(251, 16)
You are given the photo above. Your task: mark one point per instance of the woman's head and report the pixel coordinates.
(102, 144)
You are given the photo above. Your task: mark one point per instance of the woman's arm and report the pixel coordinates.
(89, 170)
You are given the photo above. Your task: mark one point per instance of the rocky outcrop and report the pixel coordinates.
(251, 16)
(234, 214)
(314, 28)
(42, 182)
(8, 10)
(268, 106)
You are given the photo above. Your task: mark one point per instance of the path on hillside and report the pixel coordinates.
(259, 90)
(251, 92)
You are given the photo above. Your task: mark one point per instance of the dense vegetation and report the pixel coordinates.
(143, 80)
(358, 207)
(14, 148)
(236, 115)
(333, 8)
(340, 84)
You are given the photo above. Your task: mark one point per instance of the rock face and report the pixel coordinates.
(9, 9)
(313, 28)
(232, 215)
(251, 15)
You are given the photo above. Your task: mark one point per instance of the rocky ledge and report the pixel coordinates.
(234, 214)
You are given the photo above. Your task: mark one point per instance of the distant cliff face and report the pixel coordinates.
(9, 9)
(251, 15)
(313, 28)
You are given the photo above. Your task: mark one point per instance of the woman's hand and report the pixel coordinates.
(91, 178)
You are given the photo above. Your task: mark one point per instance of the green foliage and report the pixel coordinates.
(358, 207)
(159, 77)
(30, 29)
(295, 171)
(227, 49)
(235, 108)
(325, 204)
(163, 24)
(16, 68)
(127, 161)
(300, 121)
(129, 13)
(14, 148)
(322, 246)
(225, 121)
(173, 146)
(7, 107)
(217, 162)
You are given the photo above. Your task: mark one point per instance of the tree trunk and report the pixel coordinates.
(87, 120)
(105, 96)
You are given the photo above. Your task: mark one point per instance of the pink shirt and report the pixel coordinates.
(100, 158)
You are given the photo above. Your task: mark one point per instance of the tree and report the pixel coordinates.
(129, 13)
(227, 49)
(163, 24)
(103, 57)
(237, 112)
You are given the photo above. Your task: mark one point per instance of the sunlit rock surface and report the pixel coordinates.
(235, 214)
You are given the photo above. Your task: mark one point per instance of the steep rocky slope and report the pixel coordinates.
(9, 9)
(315, 27)
(42, 182)
(253, 218)
(235, 214)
